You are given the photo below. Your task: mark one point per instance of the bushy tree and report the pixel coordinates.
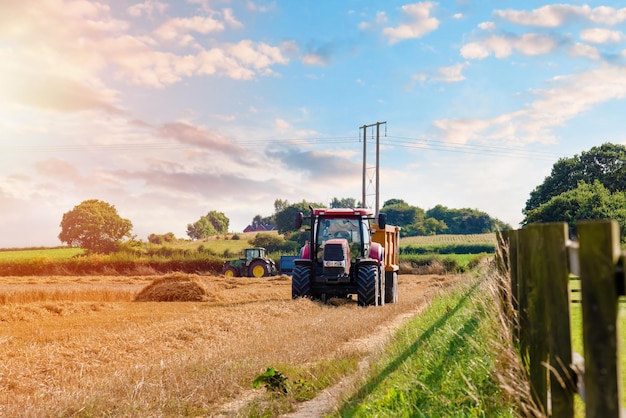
(161, 238)
(401, 213)
(346, 202)
(271, 242)
(285, 219)
(95, 226)
(213, 223)
(585, 202)
(465, 220)
(606, 163)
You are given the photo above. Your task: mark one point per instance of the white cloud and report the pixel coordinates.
(503, 46)
(177, 27)
(556, 15)
(487, 26)
(602, 36)
(583, 50)
(419, 23)
(281, 125)
(451, 74)
(570, 97)
(148, 7)
(229, 17)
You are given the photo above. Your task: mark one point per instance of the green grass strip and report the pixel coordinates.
(439, 365)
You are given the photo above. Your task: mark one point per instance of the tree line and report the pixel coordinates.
(588, 186)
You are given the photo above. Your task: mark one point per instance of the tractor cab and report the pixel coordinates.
(252, 253)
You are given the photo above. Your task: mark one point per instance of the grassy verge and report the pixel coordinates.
(441, 364)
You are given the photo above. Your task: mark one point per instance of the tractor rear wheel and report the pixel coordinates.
(230, 271)
(301, 282)
(258, 269)
(391, 287)
(367, 285)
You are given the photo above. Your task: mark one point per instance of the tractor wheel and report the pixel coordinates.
(258, 269)
(230, 272)
(367, 285)
(391, 287)
(301, 282)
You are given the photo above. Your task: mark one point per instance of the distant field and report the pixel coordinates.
(51, 253)
(489, 238)
(220, 243)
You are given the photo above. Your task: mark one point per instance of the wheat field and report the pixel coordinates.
(81, 346)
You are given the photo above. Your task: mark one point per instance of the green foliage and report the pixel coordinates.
(465, 220)
(95, 226)
(285, 219)
(212, 223)
(348, 202)
(606, 164)
(300, 237)
(585, 202)
(402, 214)
(161, 239)
(271, 242)
(272, 380)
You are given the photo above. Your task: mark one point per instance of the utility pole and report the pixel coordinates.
(364, 195)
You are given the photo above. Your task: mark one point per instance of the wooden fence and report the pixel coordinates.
(540, 260)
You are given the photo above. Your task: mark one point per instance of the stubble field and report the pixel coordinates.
(82, 346)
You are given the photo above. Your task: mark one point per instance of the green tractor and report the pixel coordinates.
(255, 263)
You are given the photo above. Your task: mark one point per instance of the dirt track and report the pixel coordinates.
(65, 347)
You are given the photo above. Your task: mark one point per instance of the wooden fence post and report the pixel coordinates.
(554, 273)
(532, 321)
(599, 252)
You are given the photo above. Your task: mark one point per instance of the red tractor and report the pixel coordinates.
(347, 255)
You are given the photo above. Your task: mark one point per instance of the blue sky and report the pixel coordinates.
(168, 110)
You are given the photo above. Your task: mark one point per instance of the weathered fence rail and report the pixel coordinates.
(540, 261)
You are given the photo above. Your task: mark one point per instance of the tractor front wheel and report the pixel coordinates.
(367, 285)
(301, 282)
(258, 269)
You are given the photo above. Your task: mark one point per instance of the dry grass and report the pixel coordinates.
(61, 355)
(510, 374)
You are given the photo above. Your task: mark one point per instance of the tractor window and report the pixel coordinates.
(252, 253)
(339, 228)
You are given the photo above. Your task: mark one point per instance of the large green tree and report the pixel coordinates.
(401, 213)
(213, 223)
(286, 218)
(585, 202)
(606, 164)
(95, 226)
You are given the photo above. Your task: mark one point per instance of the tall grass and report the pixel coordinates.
(441, 364)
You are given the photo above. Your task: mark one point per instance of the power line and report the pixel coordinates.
(389, 140)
